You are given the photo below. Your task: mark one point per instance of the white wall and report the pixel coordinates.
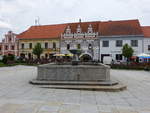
(146, 43)
(113, 50)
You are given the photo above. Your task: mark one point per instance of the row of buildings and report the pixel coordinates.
(96, 39)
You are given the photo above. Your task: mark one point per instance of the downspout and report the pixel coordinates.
(143, 45)
(99, 48)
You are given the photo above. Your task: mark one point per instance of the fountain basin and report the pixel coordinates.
(84, 76)
(53, 72)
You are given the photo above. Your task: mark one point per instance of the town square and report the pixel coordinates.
(18, 96)
(76, 56)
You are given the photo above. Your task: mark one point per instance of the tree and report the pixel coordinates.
(127, 51)
(38, 50)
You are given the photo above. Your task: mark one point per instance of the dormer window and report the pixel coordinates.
(90, 29)
(68, 30)
(79, 29)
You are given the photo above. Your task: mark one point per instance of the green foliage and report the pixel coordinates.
(4, 60)
(8, 58)
(38, 50)
(11, 57)
(127, 51)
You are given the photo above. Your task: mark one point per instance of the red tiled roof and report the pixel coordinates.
(84, 26)
(109, 28)
(43, 31)
(125, 27)
(146, 31)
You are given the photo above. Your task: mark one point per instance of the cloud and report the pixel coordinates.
(5, 25)
(21, 14)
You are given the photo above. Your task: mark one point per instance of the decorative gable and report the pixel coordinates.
(79, 29)
(90, 29)
(68, 30)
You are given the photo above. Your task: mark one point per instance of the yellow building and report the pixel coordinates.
(47, 35)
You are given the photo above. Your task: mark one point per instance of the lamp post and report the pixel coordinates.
(91, 50)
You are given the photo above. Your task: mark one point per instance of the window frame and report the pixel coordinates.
(6, 47)
(46, 45)
(103, 44)
(148, 48)
(119, 57)
(12, 47)
(119, 44)
(22, 46)
(78, 46)
(68, 46)
(133, 44)
(54, 45)
(30, 46)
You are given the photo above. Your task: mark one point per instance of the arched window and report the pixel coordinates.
(90, 29)
(79, 29)
(90, 46)
(78, 46)
(68, 46)
(68, 30)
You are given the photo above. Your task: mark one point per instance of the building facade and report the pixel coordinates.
(115, 34)
(46, 35)
(112, 46)
(83, 36)
(9, 44)
(95, 39)
(146, 43)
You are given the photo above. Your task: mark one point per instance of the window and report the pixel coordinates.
(148, 47)
(30, 45)
(68, 46)
(118, 56)
(54, 45)
(90, 46)
(118, 43)
(22, 46)
(46, 45)
(12, 47)
(105, 43)
(6, 47)
(78, 46)
(9, 39)
(134, 43)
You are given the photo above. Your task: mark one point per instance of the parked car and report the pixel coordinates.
(107, 60)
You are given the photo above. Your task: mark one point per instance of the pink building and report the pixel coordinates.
(9, 44)
(0, 48)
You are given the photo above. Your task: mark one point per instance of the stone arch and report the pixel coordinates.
(85, 57)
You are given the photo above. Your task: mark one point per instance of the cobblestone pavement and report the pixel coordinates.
(18, 96)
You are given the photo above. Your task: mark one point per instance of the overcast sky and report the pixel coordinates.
(18, 15)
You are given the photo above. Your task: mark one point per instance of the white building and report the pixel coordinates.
(105, 38)
(112, 46)
(146, 44)
(82, 35)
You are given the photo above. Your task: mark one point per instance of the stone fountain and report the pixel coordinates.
(75, 75)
